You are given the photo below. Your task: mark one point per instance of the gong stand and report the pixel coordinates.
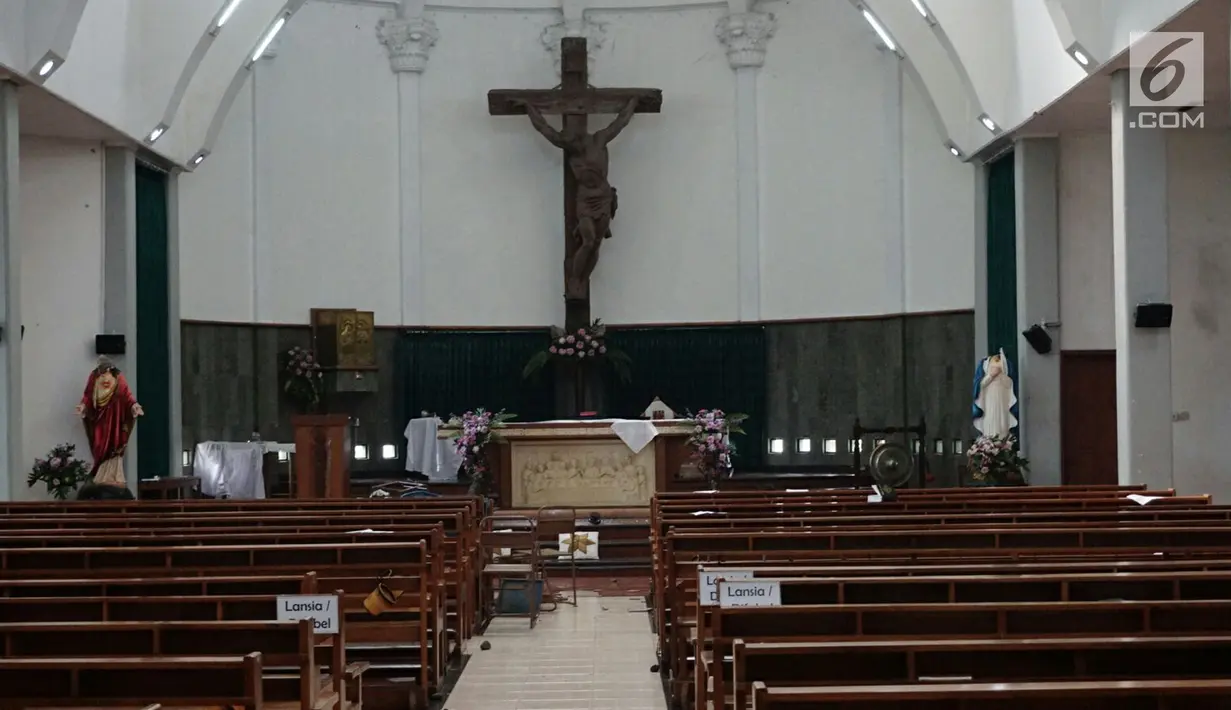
(918, 431)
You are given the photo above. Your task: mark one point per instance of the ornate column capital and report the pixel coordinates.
(594, 33)
(746, 36)
(408, 40)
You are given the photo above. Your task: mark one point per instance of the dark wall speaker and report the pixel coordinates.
(1038, 338)
(110, 344)
(1152, 315)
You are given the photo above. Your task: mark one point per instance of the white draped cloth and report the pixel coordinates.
(428, 454)
(635, 433)
(230, 469)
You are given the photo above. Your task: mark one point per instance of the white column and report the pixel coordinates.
(120, 274)
(1140, 243)
(409, 41)
(12, 462)
(980, 254)
(746, 36)
(1038, 301)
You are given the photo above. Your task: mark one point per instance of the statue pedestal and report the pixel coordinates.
(322, 455)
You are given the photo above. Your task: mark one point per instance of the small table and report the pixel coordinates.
(169, 488)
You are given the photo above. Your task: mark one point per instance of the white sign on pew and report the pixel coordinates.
(322, 609)
(707, 584)
(750, 592)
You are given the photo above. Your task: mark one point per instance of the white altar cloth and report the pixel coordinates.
(233, 469)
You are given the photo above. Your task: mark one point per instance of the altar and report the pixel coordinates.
(587, 463)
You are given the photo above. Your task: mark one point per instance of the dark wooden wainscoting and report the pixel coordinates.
(1088, 417)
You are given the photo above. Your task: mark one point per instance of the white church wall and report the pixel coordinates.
(675, 173)
(1087, 306)
(939, 223)
(326, 170)
(13, 33)
(829, 118)
(307, 172)
(1199, 194)
(983, 35)
(492, 206)
(97, 77)
(1199, 210)
(1044, 69)
(61, 242)
(216, 228)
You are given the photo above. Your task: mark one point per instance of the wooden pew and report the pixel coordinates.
(289, 644)
(900, 661)
(460, 563)
(1203, 694)
(106, 586)
(417, 627)
(894, 551)
(197, 681)
(922, 594)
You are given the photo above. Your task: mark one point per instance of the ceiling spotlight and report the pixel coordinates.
(988, 123)
(923, 9)
(879, 29)
(47, 66)
(199, 158)
(954, 150)
(157, 133)
(1081, 56)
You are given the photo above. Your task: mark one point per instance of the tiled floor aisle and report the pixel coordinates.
(593, 657)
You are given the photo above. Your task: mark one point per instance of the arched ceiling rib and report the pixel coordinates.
(1008, 57)
(212, 75)
(942, 78)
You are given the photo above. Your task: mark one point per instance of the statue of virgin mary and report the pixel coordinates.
(995, 405)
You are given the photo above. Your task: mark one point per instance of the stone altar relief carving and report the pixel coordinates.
(581, 474)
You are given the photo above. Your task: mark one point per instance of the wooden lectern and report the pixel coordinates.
(322, 454)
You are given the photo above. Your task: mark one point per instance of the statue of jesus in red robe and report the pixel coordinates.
(109, 411)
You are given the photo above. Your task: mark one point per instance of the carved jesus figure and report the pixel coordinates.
(596, 199)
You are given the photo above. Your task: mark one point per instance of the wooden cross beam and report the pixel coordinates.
(575, 100)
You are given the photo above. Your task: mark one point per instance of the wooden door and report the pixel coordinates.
(1088, 417)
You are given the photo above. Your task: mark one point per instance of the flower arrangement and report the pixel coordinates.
(475, 430)
(61, 473)
(996, 460)
(302, 378)
(710, 442)
(585, 345)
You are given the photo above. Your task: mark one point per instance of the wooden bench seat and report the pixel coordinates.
(173, 681)
(1206, 694)
(977, 660)
(417, 628)
(105, 586)
(293, 656)
(1019, 620)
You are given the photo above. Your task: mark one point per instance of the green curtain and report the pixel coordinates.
(153, 324)
(697, 368)
(1002, 330)
(450, 372)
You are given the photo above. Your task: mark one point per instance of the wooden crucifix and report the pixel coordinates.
(589, 199)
